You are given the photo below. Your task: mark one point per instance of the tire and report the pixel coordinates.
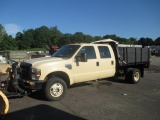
(128, 74)
(135, 76)
(54, 89)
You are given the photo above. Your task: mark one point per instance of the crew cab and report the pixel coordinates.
(77, 63)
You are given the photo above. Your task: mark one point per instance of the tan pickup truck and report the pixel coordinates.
(80, 63)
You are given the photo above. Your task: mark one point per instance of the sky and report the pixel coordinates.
(124, 18)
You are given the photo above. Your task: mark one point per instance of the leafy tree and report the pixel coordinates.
(55, 35)
(113, 37)
(19, 36)
(41, 37)
(8, 43)
(36, 38)
(19, 39)
(157, 41)
(64, 40)
(145, 41)
(121, 40)
(149, 41)
(133, 40)
(116, 38)
(88, 39)
(28, 38)
(142, 42)
(96, 38)
(22, 45)
(77, 37)
(2, 32)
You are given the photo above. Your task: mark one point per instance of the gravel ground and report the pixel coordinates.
(155, 61)
(105, 100)
(155, 65)
(154, 69)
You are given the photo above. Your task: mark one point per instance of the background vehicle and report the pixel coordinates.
(83, 62)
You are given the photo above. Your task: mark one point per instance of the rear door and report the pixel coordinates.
(106, 61)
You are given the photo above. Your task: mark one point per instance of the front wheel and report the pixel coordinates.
(55, 89)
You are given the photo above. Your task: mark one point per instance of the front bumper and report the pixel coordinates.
(31, 84)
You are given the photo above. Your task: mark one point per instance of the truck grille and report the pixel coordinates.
(25, 71)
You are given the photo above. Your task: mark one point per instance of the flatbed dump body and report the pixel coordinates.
(128, 54)
(135, 55)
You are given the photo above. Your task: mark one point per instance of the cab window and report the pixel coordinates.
(89, 50)
(104, 52)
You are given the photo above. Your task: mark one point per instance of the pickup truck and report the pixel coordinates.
(77, 63)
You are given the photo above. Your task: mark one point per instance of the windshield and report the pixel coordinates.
(66, 51)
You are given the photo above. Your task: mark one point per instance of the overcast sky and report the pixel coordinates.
(125, 18)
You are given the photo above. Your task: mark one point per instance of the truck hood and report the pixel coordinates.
(42, 60)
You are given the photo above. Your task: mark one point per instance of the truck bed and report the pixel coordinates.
(134, 55)
(128, 54)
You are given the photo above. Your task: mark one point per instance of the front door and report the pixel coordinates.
(85, 71)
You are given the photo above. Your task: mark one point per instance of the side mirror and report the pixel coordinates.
(81, 58)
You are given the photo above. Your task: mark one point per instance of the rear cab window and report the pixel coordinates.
(104, 52)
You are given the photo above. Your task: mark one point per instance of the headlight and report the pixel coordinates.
(36, 73)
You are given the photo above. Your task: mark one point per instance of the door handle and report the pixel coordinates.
(112, 62)
(97, 63)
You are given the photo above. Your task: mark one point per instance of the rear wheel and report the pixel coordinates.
(136, 75)
(128, 74)
(133, 75)
(55, 89)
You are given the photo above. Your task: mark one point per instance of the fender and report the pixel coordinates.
(57, 68)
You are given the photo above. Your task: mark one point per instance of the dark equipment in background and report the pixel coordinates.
(10, 86)
(52, 49)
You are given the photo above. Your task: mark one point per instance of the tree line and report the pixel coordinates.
(37, 38)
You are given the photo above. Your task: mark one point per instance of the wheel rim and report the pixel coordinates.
(136, 76)
(56, 90)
